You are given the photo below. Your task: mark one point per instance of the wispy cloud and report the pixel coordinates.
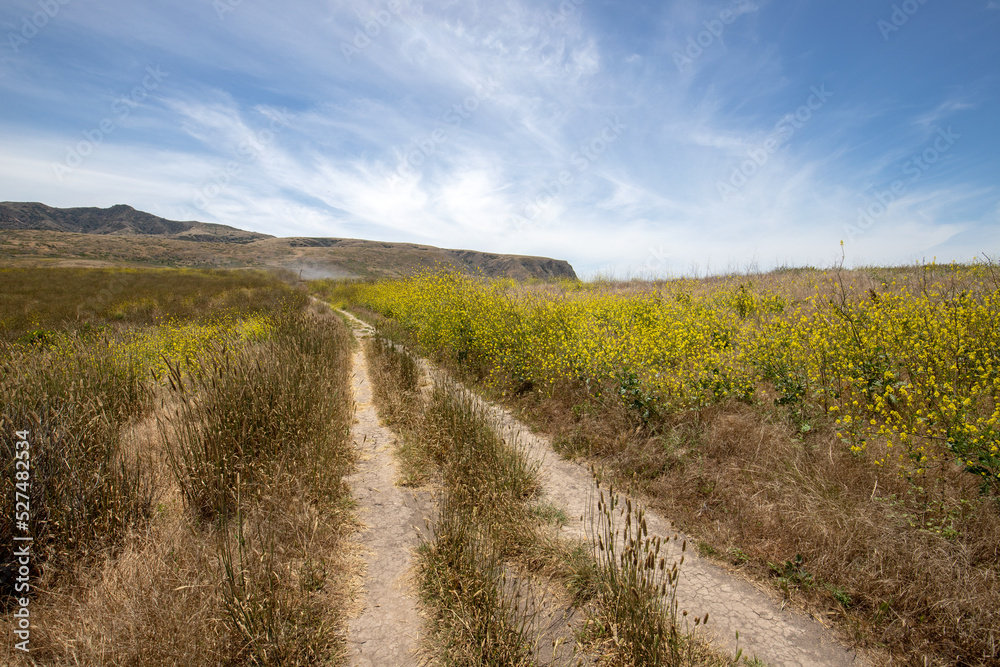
(943, 112)
(480, 124)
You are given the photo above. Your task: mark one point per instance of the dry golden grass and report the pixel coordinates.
(159, 598)
(757, 493)
(152, 600)
(70, 298)
(175, 590)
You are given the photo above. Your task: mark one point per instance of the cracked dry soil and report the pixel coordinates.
(385, 632)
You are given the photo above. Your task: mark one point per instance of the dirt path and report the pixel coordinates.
(777, 636)
(386, 631)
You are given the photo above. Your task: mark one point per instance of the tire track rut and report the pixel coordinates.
(386, 632)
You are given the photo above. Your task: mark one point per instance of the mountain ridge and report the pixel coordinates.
(120, 219)
(120, 234)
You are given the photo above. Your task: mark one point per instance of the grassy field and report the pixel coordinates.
(188, 435)
(834, 433)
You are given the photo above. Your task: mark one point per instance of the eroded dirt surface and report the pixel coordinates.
(553, 614)
(386, 632)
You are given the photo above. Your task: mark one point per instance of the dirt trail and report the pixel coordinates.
(386, 631)
(777, 636)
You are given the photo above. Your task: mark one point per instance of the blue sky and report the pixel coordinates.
(633, 138)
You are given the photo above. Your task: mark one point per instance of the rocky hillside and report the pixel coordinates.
(118, 220)
(121, 235)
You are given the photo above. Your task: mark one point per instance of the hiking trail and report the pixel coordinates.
(387, 630)
(768, 631)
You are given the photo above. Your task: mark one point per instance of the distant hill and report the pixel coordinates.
(33, 233)
(118, 220)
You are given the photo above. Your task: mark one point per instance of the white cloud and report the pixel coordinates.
(372, 145)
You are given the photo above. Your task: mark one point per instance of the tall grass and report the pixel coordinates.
(478, 617)
(636, 590)
(66, 298)
(130, 571)
(480, 614)
(479, 468)
(271, 611)
(85, 490)
(262, 428)
(395, 381)
(256, 412)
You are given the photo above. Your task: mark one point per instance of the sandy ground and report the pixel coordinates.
(385, 633)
